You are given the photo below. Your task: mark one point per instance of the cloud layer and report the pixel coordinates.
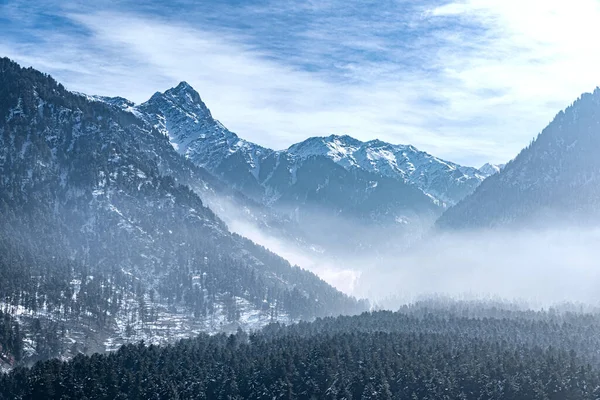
(471, 81)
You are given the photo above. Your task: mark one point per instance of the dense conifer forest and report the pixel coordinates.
(426, 351)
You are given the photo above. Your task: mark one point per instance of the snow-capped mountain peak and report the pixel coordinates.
(443, 180)
(188, 98)
(181, 115)
(489, 169)
(338, 148)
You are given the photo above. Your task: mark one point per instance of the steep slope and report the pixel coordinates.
(180, 114)
(99, 231)
(555, 180)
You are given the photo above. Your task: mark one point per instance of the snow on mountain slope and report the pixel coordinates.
(101, 227)
(338, 148)
(372, 182)
(443, 180)
(182, 116)
(489, 169)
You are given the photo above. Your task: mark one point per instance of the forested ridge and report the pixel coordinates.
(103, 240)
(416, 353)
(553, 181)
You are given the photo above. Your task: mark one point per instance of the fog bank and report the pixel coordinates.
(537, 267)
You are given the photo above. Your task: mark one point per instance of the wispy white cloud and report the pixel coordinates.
(530, 59)
(471, 81)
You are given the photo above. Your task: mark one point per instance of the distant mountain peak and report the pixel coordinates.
(183, 85)
(489, 169)
(180, 114)
(445, 181)
(338, 148)
(324, 141)
(183, 89)
(342, 138)
(377, 143)
(187, 97)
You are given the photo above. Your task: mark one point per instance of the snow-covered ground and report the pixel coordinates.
(162, 324)
(169, 324)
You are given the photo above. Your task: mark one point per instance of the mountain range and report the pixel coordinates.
(320, 184)
(182, 116)
(116, 218)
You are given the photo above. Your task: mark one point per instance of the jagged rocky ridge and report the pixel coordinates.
(443, 181)
(102, 241)
(184, 118)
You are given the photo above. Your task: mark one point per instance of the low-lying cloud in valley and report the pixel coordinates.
(538, 267)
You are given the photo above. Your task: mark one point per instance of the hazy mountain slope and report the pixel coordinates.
(180, 113)
(309, 204)
(96, 227)
(347, 210)
(555, 180)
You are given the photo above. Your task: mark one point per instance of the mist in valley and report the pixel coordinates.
(296, 249)
(534, 268)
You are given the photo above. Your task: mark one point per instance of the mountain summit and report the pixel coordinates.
(181, 115)
(489, 169)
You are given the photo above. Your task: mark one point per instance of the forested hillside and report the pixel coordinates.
(102, 239)
(421, 352)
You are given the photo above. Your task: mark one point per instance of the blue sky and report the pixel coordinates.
(467, 80)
